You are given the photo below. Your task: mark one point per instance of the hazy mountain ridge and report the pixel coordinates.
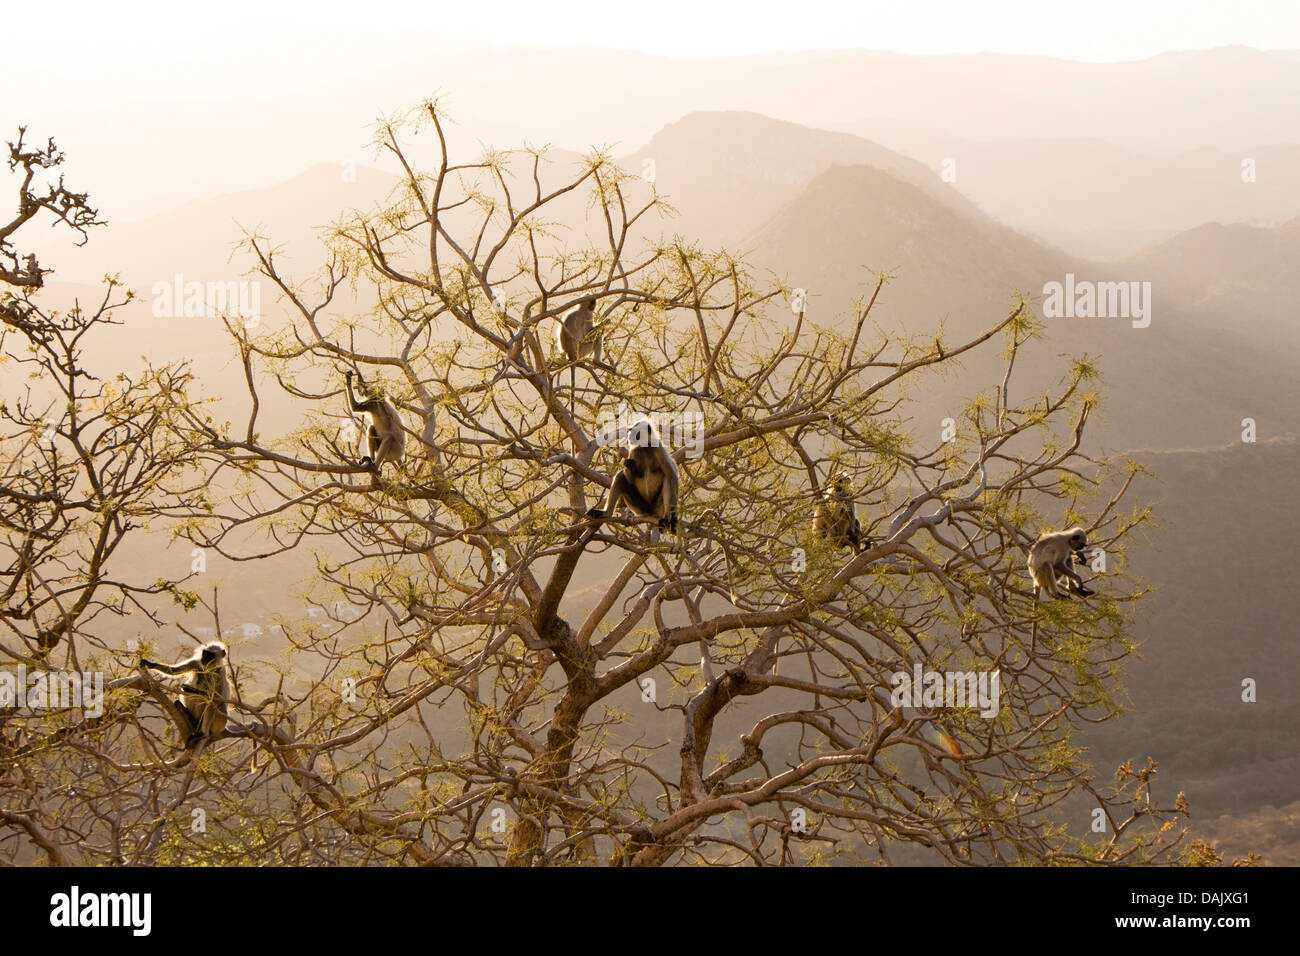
(1187, 380)
(1104, 199)
(824, 224)
(1232, 99)
(200, 238)
(728, 172)
(1247, 273)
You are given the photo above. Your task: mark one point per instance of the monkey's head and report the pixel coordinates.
(841, 485)
(1078, 540)
(368, 389)
(212, 652)
(589, 303)
(642, 434)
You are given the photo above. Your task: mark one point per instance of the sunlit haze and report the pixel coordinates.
(1096, 31)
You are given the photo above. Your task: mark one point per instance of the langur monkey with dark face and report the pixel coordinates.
(204, 695)
(1051, 565)
(648, 482)
(386, 438)
(835, 518)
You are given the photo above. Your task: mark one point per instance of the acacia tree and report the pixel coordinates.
(508, 653)
(84, 463)
(81, 459)
(501, 679)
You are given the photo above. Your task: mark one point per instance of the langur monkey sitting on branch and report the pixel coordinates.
(574, 334)
(578, 336)
(386, 437)
(203, 697)
(648, 482)
(835, 518)
(1051, 565)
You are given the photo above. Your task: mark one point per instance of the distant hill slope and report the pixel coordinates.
(198, 238)
(1271, 831)
(727, 172)
(1102, 199)
(1233, 280)
(869, 216)
(1225, 609)
(1174, 384)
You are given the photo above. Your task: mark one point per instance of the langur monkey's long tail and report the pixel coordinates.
(1033, 627)
(1038, 590)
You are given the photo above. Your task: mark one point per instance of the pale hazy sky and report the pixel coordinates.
(159, 101)
(1098, 30)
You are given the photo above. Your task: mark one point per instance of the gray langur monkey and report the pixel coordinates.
(573, 334)
(835, 518)
(648, 482)
(1051, 565)
(386, 438)
(203, 697)
(578, 336)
